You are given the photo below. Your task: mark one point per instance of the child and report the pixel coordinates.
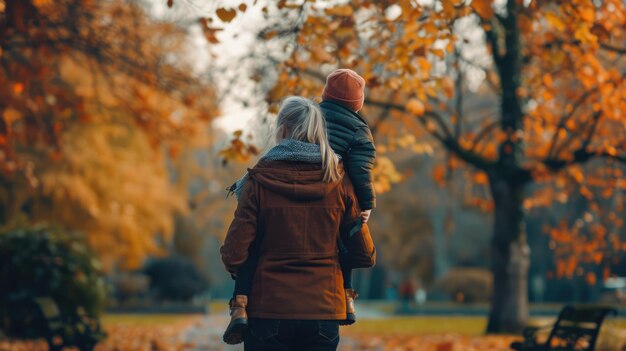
(350, 137)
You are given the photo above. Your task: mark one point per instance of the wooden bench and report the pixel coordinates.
(576, 329)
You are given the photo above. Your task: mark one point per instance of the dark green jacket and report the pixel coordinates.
(350, 137)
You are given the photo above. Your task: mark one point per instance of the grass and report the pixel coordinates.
(449, 324)
(138, 319)
(218, 306)
(144, 319)
(420, 325)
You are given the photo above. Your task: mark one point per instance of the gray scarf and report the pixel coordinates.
(287, 150)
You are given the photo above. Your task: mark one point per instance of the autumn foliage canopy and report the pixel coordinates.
(92, 93)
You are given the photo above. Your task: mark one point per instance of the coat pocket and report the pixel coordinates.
(329, 330)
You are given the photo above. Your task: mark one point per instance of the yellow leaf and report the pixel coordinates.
(321, 55)
(226, 15)
(587, 13)
(415, 107)
(344, 32)
(343, 11)
(447, 84)
(555, 21)
(611, 150)
(583, 35)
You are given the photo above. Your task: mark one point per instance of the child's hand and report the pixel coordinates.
(365, 215)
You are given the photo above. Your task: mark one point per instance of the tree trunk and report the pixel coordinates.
(510, 258)
(439, 218)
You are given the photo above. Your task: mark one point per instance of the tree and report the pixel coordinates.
(93, 94)
(555, 71)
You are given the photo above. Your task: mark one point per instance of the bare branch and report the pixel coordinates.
(579, 102)
(384, 115)
(590, 128)
(582, 155)
(612, 48)
(563, 121)
(443, 135)
(603, 46)
(483, 133)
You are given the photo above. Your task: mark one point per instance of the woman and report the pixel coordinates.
(292, 208)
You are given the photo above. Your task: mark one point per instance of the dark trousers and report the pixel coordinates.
(286, 335)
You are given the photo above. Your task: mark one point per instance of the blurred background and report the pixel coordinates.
(500, 133)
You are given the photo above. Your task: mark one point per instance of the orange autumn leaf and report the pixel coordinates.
(340, 10)
(226, 15)
(439, 173)
(438, 52)
(590, 278)
(415, 106)
(481, 178)
(18, 88)
(587, 13)
(483, 8)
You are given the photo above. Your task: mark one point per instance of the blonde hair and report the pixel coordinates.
(302, 120)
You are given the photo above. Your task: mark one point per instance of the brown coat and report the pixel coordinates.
(298, 218)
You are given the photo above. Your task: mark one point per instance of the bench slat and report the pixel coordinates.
(575, 327)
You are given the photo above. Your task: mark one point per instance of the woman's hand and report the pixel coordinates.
(365, 215)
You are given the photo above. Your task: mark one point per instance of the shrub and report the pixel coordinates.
(128, 286)
(47, 263)
(467, 284)
(175, 278)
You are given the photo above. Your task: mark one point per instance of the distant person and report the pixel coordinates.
(296, 209)
(408, 289)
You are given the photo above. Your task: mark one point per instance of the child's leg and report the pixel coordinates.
(346, 271)
(245, 273)
(238, 325)
(243, 280)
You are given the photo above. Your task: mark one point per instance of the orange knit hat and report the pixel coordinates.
(346, 87)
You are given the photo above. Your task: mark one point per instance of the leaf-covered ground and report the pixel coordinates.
(130, 333)
(196, 333)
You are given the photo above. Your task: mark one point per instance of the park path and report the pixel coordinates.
(206, 334)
